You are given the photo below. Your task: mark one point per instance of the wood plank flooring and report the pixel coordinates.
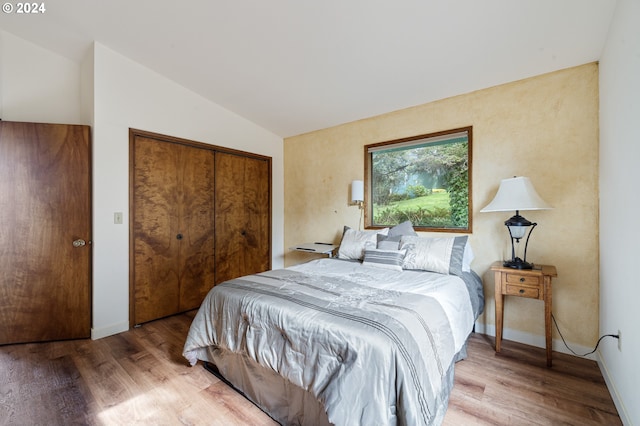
(140, 377)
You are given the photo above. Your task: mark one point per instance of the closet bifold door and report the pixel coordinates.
(243, 215)
(173, 228)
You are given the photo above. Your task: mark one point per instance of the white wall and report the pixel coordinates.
(86, 88)
(619, 205)
(112, 93)
(36, 84)
(128, 95)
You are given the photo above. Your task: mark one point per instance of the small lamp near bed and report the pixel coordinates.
(517, 194)
(357, 193)
(357, 197)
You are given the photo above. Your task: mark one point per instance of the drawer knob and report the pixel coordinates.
(521, 279)
(521, 291)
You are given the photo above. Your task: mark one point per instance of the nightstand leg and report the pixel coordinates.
(547, 317)
(499, 297)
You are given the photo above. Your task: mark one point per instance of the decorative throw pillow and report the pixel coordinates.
(354, 242)
(387, 259)
(404, 228)
(443, 255)
(386, 242)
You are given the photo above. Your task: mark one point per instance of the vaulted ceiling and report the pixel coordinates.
(294, 66)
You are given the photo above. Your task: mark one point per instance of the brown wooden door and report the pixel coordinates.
(243, 215)
(173, 230)
(45, 205)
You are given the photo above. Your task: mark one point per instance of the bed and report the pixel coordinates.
(345, 341)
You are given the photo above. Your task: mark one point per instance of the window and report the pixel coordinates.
(425, 179)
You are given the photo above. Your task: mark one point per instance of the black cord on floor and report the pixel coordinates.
(565, 342)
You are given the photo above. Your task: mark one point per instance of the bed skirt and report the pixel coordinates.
(285, 402)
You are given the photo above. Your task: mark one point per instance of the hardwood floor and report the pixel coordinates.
(515, 387)
(140, 377)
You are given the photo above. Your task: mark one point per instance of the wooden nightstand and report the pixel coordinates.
(532, 283)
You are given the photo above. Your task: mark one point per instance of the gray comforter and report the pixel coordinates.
(372, 346)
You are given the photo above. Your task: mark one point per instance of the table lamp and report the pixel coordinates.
(517, 194)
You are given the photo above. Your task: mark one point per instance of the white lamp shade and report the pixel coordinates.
(357, 191)
(516, 194)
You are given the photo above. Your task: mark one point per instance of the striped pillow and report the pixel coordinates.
(387, 259)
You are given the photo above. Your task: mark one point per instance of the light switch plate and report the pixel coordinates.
(117, 218)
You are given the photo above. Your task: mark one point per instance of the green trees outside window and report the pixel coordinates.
(425, 179)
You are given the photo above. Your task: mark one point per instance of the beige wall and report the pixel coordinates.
(545, 127)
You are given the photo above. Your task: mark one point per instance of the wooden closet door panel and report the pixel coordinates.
(155, 227)
(242, 200)
(197, 226)
(229, 219)
(45, 204)
(173, 227)
(258, 218)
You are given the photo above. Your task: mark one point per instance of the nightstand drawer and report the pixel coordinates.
(515, 290)
(523, 279)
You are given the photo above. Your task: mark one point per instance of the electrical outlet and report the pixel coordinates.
(619, 341)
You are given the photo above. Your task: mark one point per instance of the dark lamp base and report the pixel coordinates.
(517, 263)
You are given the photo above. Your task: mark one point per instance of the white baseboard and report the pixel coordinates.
(99, 333)
(622, 411)
(536, 340)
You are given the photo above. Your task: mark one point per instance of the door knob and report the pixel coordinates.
(79, 243)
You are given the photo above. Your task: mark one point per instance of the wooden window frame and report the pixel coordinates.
(437, 136)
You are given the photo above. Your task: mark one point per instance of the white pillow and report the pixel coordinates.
(354, 243)
(429, 254)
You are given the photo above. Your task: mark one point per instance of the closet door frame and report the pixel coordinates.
(133, 134)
